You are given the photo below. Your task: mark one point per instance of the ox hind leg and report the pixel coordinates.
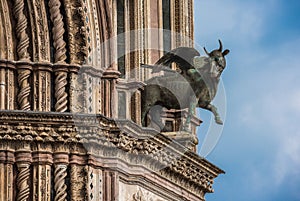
(191, 112)
(213, 109)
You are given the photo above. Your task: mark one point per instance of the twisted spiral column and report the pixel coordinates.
(23, 44)
(23, 182)
(60, 187)
(59, 57)
(24, 93)
(22, 50)
(58, 31)
(60, 91)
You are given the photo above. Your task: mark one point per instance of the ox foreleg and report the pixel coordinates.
(213, 109)
(191, 112)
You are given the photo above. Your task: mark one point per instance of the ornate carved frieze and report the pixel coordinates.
(142, 195)
(96, 131)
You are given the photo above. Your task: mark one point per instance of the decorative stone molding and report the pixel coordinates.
(124, 138)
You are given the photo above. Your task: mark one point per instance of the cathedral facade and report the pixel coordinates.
(70, 103)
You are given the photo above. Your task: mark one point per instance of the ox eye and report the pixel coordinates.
(216, 59)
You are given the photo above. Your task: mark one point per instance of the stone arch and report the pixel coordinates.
(7, 51)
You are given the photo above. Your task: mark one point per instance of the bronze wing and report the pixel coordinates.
(182, 56)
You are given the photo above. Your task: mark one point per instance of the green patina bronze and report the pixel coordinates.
(194, 86)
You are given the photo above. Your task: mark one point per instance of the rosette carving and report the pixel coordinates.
(60, 187)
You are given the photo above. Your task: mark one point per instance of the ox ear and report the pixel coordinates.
(225, 52)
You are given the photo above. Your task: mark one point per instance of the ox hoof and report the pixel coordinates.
(219, 121)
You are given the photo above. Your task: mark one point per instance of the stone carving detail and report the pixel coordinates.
(60, 56)
(76, 93)
(24, 93)
(103, 134)
(22, 182)
(58, 31)
(78, 183)
(22, 50)
(22, 47)
(142, 195)
(39, 30)
(76, 31)
(60, 91)
(60, 187)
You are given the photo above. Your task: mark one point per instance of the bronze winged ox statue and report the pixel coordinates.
(195, 85)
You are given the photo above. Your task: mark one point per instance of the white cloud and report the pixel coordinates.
(288, 159)
(263, 91)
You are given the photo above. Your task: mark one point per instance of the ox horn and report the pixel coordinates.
(208, 54)
(221, 46)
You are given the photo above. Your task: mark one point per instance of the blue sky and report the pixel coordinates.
(260, 144)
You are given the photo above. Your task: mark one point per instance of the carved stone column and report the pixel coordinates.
(24, 74)
(23, 161)
(78, 178)
(42, 87)
(2, 87)
(7, 160)
(95, 185)
(61, 95)
(74, 89)
(61, 160)
(110, 186)
(24, 70)
(109, 80)
(42, 161)
(60, 57)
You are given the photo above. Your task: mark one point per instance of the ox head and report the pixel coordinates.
(217, 59)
